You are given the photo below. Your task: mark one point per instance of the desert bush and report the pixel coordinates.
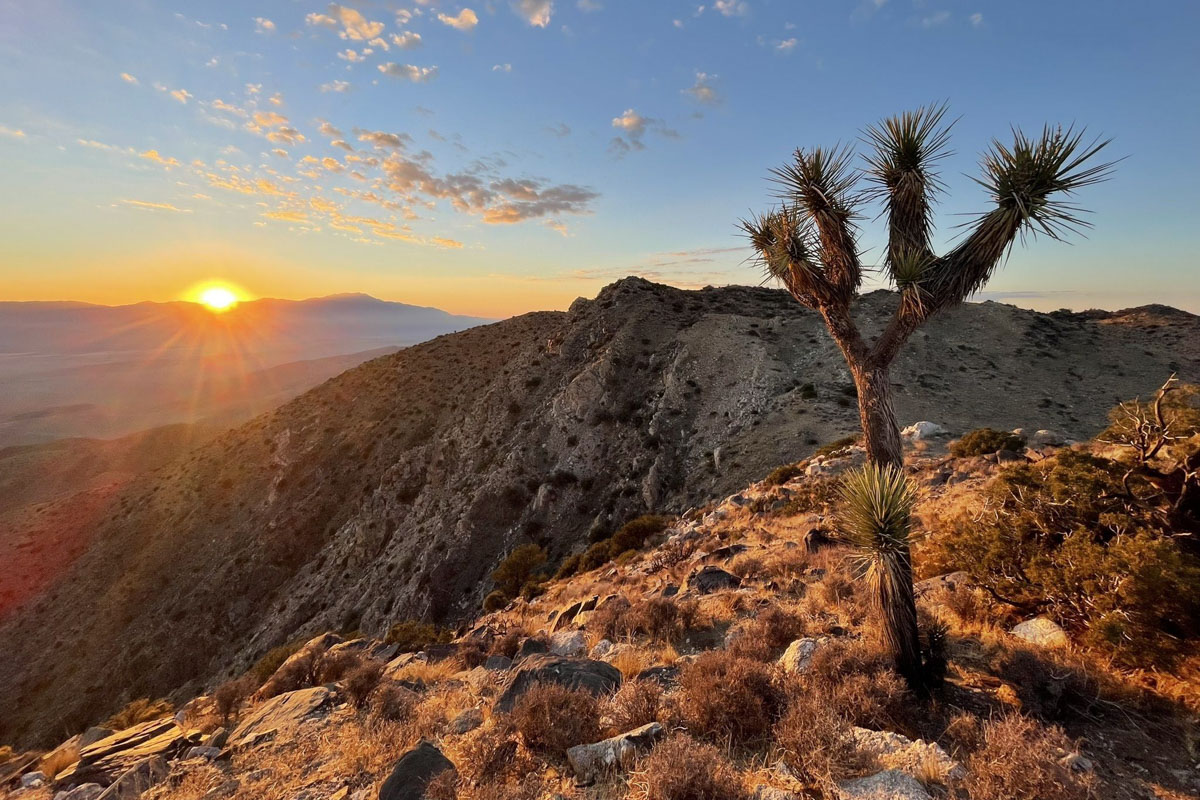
(490, 755)
(982, 441)
(137, 712)
(473, 652)
(413, 636)
(505, 645)
(297, 672)
(860, 684)
(519, 568)
(332, 667)
(836, 445)
(551, 718)
(1064, 537)
(681, 768)
(635, 704)
(230, 696)
(816, 743)
(634, 534)
(727, 697)
(393, 703)
(782, 474)
(495, 601)
(361, 681)
(769, 632)
(1018, 760)
(273, 659)
(661, 619)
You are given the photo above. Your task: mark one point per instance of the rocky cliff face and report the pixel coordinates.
(392, 491)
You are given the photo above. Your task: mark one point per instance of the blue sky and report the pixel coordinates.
(496, 157)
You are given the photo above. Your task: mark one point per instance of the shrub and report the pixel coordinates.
(518, 568)
(783, 474)
(860, 685)
(230, 695)
(361, 681)
(413, 636)
(332, 667)
(551, 718)
(273, 659)
(633, 534)
(393, 703)
(681, 768)
(816, 743)
(296, 673)
(1063, 536)
(570, 566)
(727, 697)
(764, 636)
(495, 601)
(137, 712)
(662, 619)
(490, 754)
(1019, 759)
(983, 441)
(635, 704)
(836, 445)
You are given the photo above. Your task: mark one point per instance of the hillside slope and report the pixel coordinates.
(391, 491)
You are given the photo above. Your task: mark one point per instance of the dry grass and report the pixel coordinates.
(1018, 758)
(815, 743)
(57, 760)
(137, 712)
(429, 672)
(728, 698)
(682, 768)
(764, 637)
(635, 704)
(551, 718)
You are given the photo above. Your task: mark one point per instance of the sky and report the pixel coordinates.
(497, 157)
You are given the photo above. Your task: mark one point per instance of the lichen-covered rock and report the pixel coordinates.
(568, 643)
(914, 757)
(590, 761)
(798, 656)
(413, 772)
(596, 677)
(1042, 632)
(890, 784)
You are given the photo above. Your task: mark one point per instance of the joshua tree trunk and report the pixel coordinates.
(881, 434)
(898, 609)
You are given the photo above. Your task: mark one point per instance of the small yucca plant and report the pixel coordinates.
(875, 520)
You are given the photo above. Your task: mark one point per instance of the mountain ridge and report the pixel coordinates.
(392, 490)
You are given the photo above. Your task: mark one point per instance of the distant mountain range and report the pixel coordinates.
(75, 369)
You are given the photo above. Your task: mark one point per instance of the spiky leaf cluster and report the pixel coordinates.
(876, 513)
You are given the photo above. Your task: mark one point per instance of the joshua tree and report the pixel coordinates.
(809, 243)
(875, 520)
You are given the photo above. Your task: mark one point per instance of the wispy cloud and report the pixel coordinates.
(125, 76)
(263, 25)
(465, 20)
(409, 72)
(12, 133)
(536, 12)
(633, 127)
(352, 23)
(702, 90)
(155, 206)
(935, 19)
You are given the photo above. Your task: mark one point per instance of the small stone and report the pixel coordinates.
(890, 784)
(1042, 632)
(921, 431)
(1077, 762)
(798, 656)
(711, 579)
(33, 780)
(206, 753)
(467, 721)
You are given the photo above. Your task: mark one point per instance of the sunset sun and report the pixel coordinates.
(217, 298)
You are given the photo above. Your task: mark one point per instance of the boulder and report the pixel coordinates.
(565, 616)
(103, 761)
(397, 665)
(596, 677)
(894, 751)
(950, 582)
(568, 643)
(137, 779)
(88, 791)
(497, 663)
(531, 645)
(287, 710)
(798, 656)
(467, 721)
(711, 579)
(65, 754)
(1042, 632)
(413, 772)
(1045, 438)
(603, 650)
(590, 761)
(922, 431)
(199, 751)
(890, 784)
(33, 780)
(367, 648)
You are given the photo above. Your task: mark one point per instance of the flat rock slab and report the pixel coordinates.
(596, 677)
(137, 779)
(311, 648)
(413, 772)
(105, 760)
(282, 711)
(890, 784)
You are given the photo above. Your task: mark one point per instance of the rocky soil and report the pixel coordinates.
(392, 491)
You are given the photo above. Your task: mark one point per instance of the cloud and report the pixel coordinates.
(335, 86)
(328, 129)
(702, 91)
(933, 20)
(275, 126)
(384, 140)
(786, 45)
(354, 25)
(535, 12)
(731, 8)
(465, 21)
(409, 72)
(633, 127)
(353, 55)
(561, 130)
(156, 206)
(14, 133)
(152, 155)
(588, 6)
(406, 40)
(263, 25)
(631, 122)
(182, 95)
(228, 108)
(976, 19)
(502, 68)
(276, 99)
(125, 76)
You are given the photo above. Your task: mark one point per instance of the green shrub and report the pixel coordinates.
(633, 534)
(783, 474)
(495, 601)
(570, 566)
(1062, 536)
(982, 441)
(835, 445)
(518, 568)
(413, 636)
(273, 659)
